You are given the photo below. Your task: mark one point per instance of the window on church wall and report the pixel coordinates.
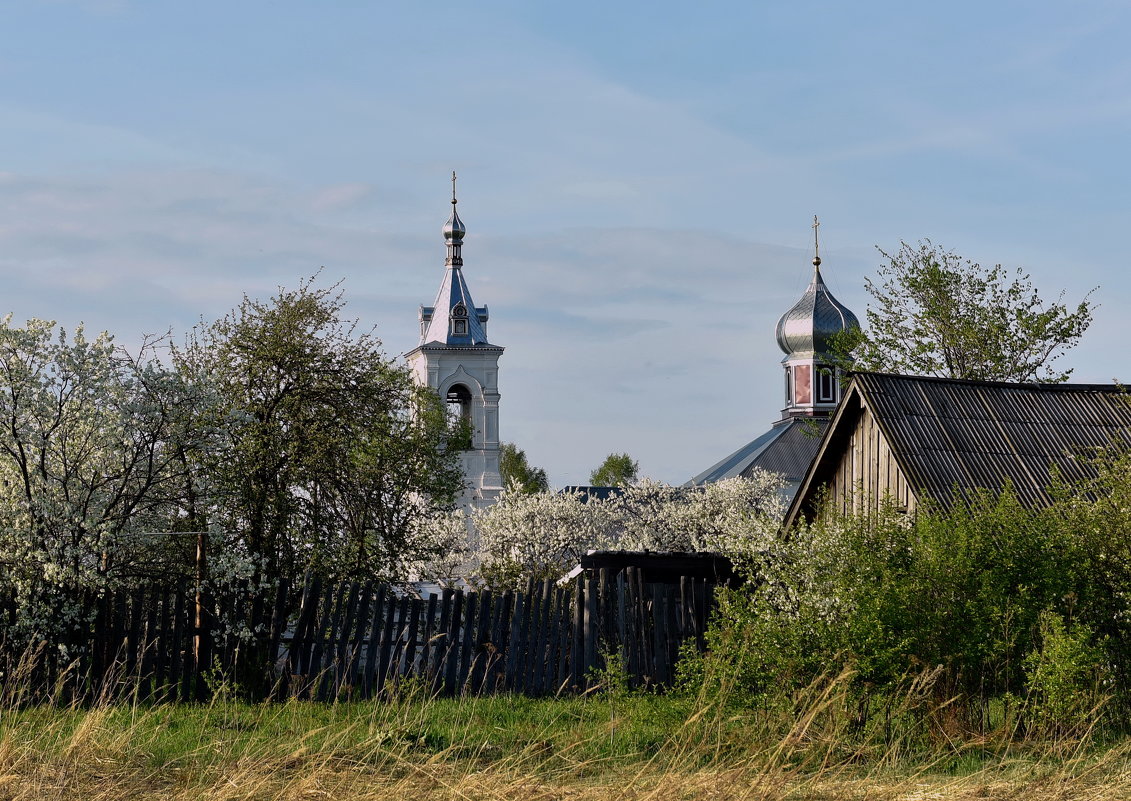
(788, 386)
(826, 386)
(459, 320)
(802, 391)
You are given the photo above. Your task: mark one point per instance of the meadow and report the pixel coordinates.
(608, 745)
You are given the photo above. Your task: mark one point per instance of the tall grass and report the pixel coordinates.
(606, 746)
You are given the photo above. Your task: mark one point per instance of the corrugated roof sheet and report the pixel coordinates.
(793, 451)
(955, 436)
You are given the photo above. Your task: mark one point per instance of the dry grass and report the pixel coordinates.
(636, 747)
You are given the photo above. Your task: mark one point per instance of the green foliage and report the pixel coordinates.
(935, 313)
(618, 470)
(89, 462)
(611, 680)
(516, 472)
(279, 435)
(325, 455)
(1066, 677)
(995, 600)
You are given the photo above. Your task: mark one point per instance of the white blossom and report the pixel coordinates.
(541, 535)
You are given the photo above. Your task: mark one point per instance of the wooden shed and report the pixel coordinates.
(664, 567)
(910, 438)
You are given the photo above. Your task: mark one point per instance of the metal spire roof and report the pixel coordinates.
(454, 319)
(807, 330)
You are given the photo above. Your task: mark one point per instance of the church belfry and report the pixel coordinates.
(806, 333)
(455, 359)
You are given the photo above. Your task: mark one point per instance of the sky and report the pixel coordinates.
(638, 180)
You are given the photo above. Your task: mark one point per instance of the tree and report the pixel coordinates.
(516, 471)
(542, 535)
(935, 313)
(325, 454)
(536, 535)
(90, 445)
(618, 470)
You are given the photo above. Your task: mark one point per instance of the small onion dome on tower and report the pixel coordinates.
(454, 228)
(808, 329)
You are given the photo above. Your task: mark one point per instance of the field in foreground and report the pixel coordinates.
(630, 747)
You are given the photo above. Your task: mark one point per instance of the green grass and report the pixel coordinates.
(479, 729)
(623, 746)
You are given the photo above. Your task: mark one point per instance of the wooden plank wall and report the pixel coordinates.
(326, 641)
(868, 472)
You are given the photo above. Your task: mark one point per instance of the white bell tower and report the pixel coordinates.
(455, 358)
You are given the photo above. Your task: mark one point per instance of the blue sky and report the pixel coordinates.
(638, 180)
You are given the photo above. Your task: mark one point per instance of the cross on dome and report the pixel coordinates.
(816, 243)
(809, 327)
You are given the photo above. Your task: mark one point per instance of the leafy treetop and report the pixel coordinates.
(936, 313)
(516, 471)
(618, 470)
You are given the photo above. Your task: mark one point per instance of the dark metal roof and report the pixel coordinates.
(454, 300)
(952, 436)
(792, 452)
(787, 448)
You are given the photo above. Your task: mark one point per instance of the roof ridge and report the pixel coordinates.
(1043, 386)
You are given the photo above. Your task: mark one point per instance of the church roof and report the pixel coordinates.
(454, 319)
(951, 437)
(787, 448)
(453, 301)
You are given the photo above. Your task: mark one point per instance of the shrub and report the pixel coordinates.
(974, 595)
(1066, 677)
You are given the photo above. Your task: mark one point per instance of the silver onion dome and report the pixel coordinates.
(454, 228)
(809, 327)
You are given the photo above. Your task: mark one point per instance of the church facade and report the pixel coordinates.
(456, 359)
(805, 334)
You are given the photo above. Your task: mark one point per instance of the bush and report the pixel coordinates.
(994, 600)
(1066, 678)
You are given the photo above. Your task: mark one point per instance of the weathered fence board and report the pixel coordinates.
(360, 640)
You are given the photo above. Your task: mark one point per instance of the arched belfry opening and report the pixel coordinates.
(459, 402)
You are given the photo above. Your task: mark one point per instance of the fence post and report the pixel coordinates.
(577, 646)
(481, 653)
(369, 672)
(451, 656)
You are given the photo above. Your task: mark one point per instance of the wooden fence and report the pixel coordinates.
(348, 640)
